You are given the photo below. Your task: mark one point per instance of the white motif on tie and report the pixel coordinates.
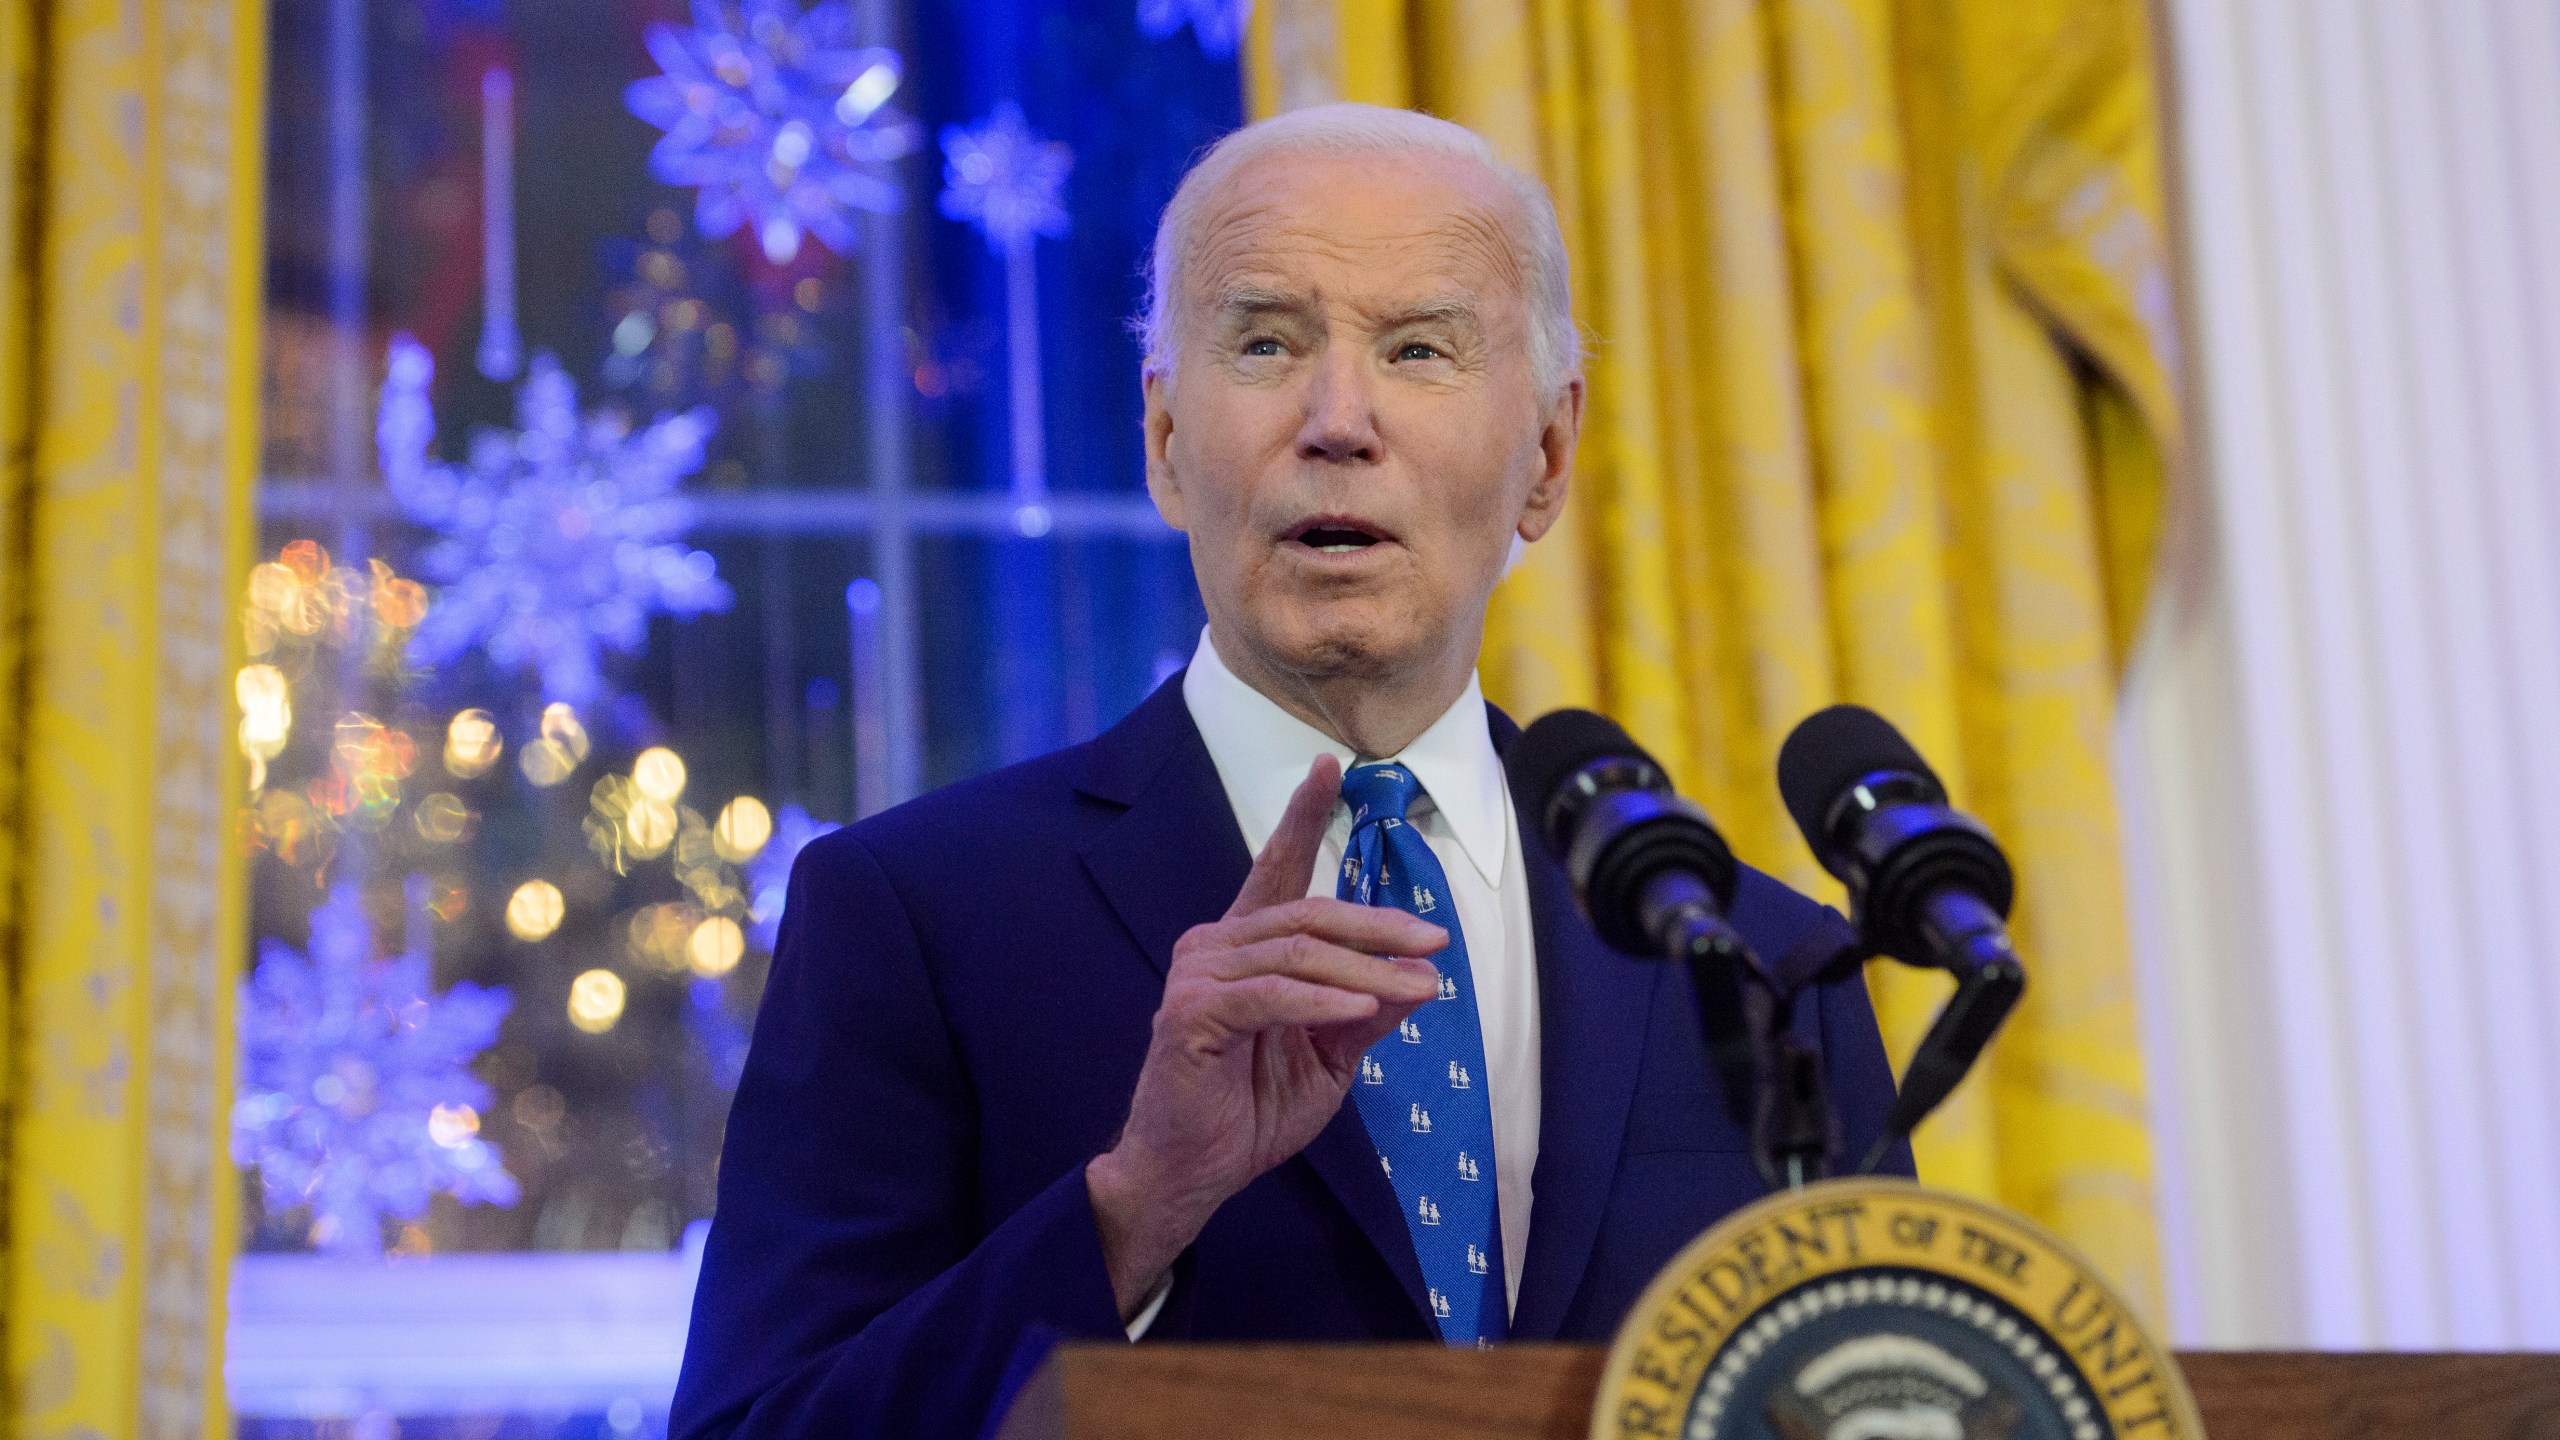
(1427, 1212)
(1409, 1032)
(1420, 1119)
(1439, 1304)
(1475, 1259)
(1448, 988)
(1386, 1165)
(1423, 901)
(1371, 1072)
(1467, 1167)
(1458, 1076)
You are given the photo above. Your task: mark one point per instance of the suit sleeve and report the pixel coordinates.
(850, 1284)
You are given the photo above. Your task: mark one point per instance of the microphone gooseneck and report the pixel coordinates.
(1927, 886)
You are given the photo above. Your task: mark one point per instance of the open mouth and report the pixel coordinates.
(1334, 535)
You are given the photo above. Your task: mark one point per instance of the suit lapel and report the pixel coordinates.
(1173, 859)
(1595, 1007)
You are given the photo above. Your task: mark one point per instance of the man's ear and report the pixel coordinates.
(1557, 439)
(1162, 484)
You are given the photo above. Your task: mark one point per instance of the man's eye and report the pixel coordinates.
(1265, 346)
(1416, 350)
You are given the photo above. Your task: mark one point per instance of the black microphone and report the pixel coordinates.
(1647, 866)
(1927, 886)
(1654, 878)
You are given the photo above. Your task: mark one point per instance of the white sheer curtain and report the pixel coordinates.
(2341, 748)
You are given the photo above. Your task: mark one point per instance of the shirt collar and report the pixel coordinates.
(1263, 751)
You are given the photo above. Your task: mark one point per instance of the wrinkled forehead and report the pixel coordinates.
(1362, 228)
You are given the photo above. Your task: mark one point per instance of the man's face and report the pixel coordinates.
(1353, 434)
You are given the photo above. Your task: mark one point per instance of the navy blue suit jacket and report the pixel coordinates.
(959, 1004)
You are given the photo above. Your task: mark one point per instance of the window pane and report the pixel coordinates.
(614, 542)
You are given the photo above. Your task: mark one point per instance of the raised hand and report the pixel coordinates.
(1265, 1016)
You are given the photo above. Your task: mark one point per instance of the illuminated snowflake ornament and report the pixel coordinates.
(356, 1094)
(1004, 179)
(768, 876)
(777, 118)
(1216, 24)
(559, 539)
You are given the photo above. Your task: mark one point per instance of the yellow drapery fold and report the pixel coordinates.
(132, 136)
(1882, 373)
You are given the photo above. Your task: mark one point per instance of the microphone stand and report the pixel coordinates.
(1989, 981)
(1775, 1080)
(1974, 948)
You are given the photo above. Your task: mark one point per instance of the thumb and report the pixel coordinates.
(1288, 861)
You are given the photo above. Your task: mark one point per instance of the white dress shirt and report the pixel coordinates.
(1262, 753)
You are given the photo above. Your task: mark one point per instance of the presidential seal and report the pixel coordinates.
(1873, 1309)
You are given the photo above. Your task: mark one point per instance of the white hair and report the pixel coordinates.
(1555, 343)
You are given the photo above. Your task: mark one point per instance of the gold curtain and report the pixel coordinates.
(129, 263)
(1880, 387)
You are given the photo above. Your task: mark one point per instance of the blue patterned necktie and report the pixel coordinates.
(1422, 1089)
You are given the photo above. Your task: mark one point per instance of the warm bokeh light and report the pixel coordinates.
(304, 561)
(471, 744)
(366, 744)
(300, 599)
(272, 594)
(716, 947)
(742, 830)
(368, 760)
(608, 806)
(656, 936)
(452, 1126)
(266, 710)
(649, 827)
(266, 717)
(291, 595)
(658, 772)
(560, 726)
(595, 1001)
(534, 911)
(287, 824)
(397, 604)
(448, 899)
(545, 763)
(442, 819)
(563, 746)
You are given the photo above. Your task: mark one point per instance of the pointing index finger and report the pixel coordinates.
(1287, 864)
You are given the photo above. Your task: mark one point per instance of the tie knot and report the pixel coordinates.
(1383, 791)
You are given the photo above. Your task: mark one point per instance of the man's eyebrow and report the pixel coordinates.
(1455, 310)
(1243, 301)
(1246, 302)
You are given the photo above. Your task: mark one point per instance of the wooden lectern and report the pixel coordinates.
(1543, 1392)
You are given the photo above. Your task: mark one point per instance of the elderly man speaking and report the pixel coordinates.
(1259, 1016)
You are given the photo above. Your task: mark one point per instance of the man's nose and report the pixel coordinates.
(1341, 422)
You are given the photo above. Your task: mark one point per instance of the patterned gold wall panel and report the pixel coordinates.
(145, 209)
(1879, 371)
